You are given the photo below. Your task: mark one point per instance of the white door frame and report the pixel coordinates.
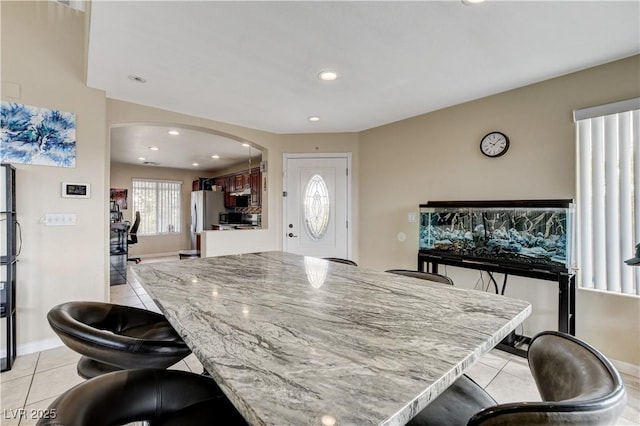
(312, 155)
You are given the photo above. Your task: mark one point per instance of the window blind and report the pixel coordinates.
(158, 202)
(608, 205)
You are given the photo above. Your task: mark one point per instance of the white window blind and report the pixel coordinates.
(608, 204)
(158, 202)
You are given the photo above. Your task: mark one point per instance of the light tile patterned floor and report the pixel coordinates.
(37, 379)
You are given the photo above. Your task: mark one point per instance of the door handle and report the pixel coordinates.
(291, 235)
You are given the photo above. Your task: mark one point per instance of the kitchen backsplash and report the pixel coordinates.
(249, 210)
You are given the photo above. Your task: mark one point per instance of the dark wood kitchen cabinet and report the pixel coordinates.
(256, 188)
(230, 185)
(238, 182)
(221, 182)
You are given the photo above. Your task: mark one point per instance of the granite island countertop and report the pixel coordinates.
(296, 340)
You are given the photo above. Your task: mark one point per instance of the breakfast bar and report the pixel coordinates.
(297, 340)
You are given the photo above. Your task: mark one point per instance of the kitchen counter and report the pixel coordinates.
(216, 243)
(232, 227)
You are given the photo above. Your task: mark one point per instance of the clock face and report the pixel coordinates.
(494, 144)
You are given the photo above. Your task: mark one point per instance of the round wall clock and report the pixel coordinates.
(494, 144)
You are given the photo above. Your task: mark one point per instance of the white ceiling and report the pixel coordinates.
(255, 64)
(130, 143)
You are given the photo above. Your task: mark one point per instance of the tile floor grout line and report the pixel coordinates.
(498, 373)
(33, 375)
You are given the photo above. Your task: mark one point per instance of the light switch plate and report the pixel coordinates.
(412, 217)
(60, 219)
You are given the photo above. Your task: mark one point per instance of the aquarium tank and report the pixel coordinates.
(528, 234)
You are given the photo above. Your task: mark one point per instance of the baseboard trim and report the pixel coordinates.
(145, 256)
(626, 368)
(38, 345)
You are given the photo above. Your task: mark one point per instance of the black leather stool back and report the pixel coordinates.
(162, 397)
(115, 337)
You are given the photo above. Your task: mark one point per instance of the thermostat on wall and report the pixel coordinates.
(76, 190)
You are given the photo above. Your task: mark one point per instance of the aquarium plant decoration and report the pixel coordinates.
(37, 136)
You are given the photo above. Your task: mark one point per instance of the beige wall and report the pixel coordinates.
(436, 156)
(272, 146)
(121, 175)
(396, 167)
(123, 113)
(332, 143)
(42, 45)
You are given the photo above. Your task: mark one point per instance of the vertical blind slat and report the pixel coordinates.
(611, 227)
(635, 134)
(585, 250)
(626, 202)
(599, 223)
(608, 207)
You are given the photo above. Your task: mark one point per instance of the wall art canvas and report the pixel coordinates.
(119, 195)
(38, 136)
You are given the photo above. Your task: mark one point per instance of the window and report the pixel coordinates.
(608, 203)
(158, 202)
(316, 207)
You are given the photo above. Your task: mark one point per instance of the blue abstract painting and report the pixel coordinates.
(39, 136)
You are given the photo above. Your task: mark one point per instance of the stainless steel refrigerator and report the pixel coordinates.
(205, 209)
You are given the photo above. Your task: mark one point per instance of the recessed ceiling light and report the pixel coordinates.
(154, 148)
(141, 158)
(246, 145)
(471, 2)
(195, 164)
(314, 118)
(137, 79)
(174, 132)
(328, 75)
(215, 156)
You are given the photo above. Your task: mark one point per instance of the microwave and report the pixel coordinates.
(242, 201)
(231, 217)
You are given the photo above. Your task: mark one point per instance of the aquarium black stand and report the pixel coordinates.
(566, 292)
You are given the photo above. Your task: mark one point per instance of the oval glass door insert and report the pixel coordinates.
(316, 207)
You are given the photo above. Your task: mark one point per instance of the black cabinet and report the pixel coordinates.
(8, 260)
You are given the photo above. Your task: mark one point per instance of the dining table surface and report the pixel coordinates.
(299, 340)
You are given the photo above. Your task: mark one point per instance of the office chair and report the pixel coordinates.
(133, 237)
(578, 386)
(429, 276)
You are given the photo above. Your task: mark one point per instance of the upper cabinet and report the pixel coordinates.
(256, 188)
(238, 182)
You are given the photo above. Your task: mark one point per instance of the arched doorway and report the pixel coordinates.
(179, 154)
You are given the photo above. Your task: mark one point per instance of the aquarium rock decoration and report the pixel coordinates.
(520, 236)
(38, 136)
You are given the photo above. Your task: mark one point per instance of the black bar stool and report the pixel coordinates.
(116, 337)
(160, 397)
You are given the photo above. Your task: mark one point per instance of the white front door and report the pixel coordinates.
(317, 204)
